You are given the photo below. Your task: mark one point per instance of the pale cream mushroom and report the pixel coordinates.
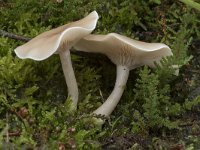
(127, 54)
(60, 40)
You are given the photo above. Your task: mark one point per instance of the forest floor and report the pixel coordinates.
(158, 110)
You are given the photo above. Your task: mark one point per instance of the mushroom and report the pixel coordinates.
(60, 40)
(127, 54)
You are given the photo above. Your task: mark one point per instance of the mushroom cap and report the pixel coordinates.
(63, 37)
(123, 50)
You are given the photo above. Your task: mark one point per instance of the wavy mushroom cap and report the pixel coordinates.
(123, 50)
(49, 42)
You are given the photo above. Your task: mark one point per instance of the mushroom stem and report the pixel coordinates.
(109, 105)
(69, 76)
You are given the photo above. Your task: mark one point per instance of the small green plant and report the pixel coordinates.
(155, 101)
(192, 4)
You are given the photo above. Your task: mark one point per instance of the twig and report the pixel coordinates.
(7, 126)
(26, 39)
(10, 134)
(14, 36)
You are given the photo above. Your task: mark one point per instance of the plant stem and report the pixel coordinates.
(7, 127)
(191, 3)
(69, 76)
(112, 101)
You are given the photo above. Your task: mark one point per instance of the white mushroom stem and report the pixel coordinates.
(69, 76)
(109, 105)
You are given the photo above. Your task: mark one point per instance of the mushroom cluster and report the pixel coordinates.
(124, 52)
